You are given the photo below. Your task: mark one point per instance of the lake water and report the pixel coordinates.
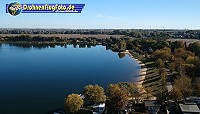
(36, 80)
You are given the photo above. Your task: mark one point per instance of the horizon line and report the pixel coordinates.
(108, 28)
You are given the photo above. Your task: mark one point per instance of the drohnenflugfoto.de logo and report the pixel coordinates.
(15, 8)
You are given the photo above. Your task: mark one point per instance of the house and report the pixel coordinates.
(98, 109)
(194, 99)
(171, 106)
(152, 106)
(189, 108)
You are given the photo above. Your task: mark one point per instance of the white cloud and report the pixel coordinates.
(105, 16)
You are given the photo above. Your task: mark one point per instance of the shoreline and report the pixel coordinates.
(142, 76)
(142, 72)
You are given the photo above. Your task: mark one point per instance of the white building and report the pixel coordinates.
(98, 109)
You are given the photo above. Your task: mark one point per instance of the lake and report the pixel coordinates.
(35, 80)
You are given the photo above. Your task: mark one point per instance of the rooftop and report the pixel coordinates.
(99, 105)
(189, 108)
(151, 103)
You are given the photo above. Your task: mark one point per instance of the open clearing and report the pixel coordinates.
(188, 41)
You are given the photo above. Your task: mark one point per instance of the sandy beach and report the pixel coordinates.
(143, 72)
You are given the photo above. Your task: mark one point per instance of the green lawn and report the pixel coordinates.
(152, 79)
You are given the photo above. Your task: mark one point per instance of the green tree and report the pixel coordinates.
(190, 69)
(130, 46)
(176, 45)
(196, 87)
(159, 63)
(118, 98)
(94, 94)
(116, 32)
(162, 44)
(122, 46)
(195, 47)
(114, 47)
(73, 103)
(182, 87)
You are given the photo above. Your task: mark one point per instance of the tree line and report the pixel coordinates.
(136, 33)
(116, 97)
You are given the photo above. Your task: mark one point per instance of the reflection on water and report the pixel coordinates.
(35, 78)
(47, 45)
(37, 45)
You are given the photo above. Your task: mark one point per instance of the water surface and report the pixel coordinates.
(36, 80)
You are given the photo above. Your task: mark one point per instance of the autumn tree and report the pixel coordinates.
(94, 94)
(171, 66)
(166, 49)
(178, 62)
(118, 98)
(149, 92)
(163, 54)
(73, 103)
(182, 87)
(163, 76)
(131, 89)
(121, 55)
(182, 53)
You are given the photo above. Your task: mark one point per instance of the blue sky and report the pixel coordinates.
(100, 14)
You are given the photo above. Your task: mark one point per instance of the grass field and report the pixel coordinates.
(188, 41)
(152, 82)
